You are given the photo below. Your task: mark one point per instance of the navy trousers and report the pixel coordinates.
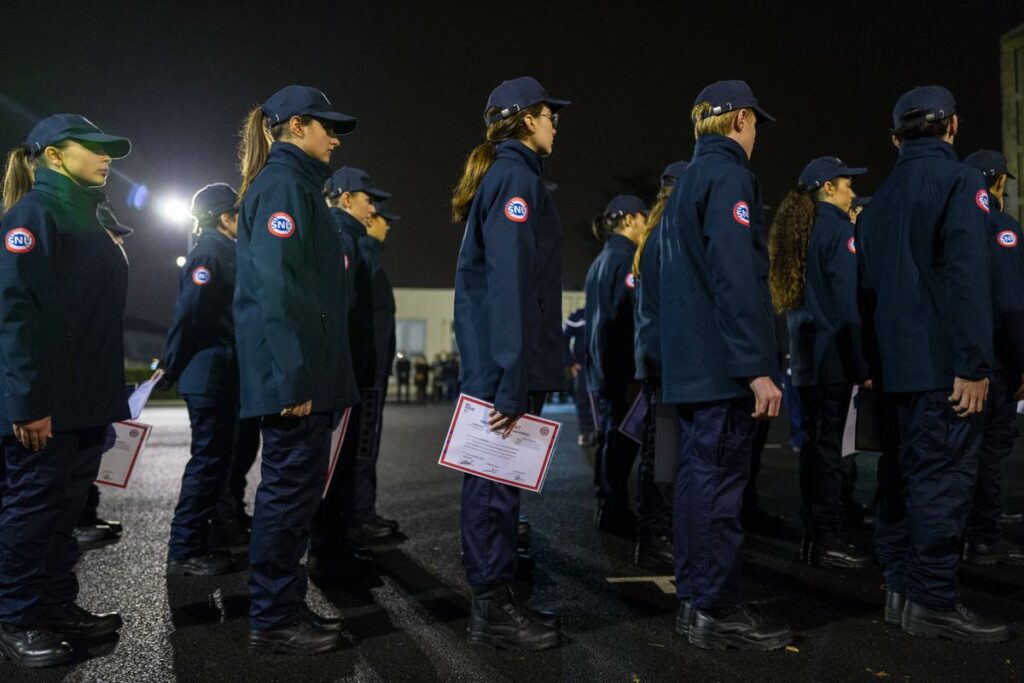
(214, 424)
(616, 452)
(996, 444)
(41, 497)
(653, 499)
(581, 395)
(296, 451)
(932, 486)
(490, 525)
(231, 503)
(716, 442)
(821, 458)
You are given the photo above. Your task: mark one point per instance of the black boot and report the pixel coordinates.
(72, 621)
(958, 623)
(229, 533)
(498, 620)
(212, 564)
(329, 623)
(301, 637)
(738, 626)
(33, 647)
(832, 551)
(654, 554)
(684, 618)
(373, 531)
(999, 552)
(894, 604)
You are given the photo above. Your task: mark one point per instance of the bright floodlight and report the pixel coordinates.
(174, 210)
(180, 261)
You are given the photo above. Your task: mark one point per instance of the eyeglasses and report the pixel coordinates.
(553, 117)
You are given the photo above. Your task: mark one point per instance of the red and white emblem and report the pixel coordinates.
(20, 241)
(631, 281)
(851, 245)
(201, 276)
(1007, 238)
(281, 225)
(981, 199)
(517, 210)
(741, 212)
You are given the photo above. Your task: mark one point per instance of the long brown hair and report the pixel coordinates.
(653, 219)
(483, 155)
(787, 249)
(254, 148)
(20, 172)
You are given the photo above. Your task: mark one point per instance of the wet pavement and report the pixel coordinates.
(407, 622)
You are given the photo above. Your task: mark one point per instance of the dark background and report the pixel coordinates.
(178, 78)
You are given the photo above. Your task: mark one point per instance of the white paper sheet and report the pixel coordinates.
(137, 401)
(337, 438)
(850, 429)
(521, 460)
(119, 462)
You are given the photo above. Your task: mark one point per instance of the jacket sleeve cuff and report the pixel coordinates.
(25, 409)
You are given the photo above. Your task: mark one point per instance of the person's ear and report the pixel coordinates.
(741, 121)
(346, 200)
(295, 128)
(530, 123)
(53, 155)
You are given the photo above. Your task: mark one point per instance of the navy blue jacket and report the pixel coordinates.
(63, 284)
(647, 337)
(200, 352)
(508, 287)
(1007, 292)
(609, 289)
(290, 294)
(574, 332)
(360, 298)
(923, 272)
(717, 325)
(383, 308)
(824, 333)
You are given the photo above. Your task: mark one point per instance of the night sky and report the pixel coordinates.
(177, 79)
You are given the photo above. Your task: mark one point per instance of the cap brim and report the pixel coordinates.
(116, 147)
(389, 217)
(380, 195)
(762, 115)
(343, 124)
(556, 104)
(851, 172)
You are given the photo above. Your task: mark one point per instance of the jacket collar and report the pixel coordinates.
(347, 222)
(514, 149)
(827, 210)
(720, 145)
(620, 243)
(923, 148)
(62, 187)
(313, 171)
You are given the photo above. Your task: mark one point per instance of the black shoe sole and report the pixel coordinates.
(268, 648)
(500, 643)
(35, 662)
(926, 630)
(708, 641)
(71, 635)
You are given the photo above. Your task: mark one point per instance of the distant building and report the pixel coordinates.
(1013, 116)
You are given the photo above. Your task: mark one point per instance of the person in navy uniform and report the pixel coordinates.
(347, 513)
(926, 315)
(718, 362)
(290, 311)
(983, 542)
(63, 285)
(508, 300)
(574, 331)
(654, 549)
(609, 288)
(200, 357)
(90, 527)
(814, 283)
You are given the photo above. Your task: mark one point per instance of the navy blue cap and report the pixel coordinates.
(213, 200)
(823, 169)
(350, 179)
(513, 96)
(60, 127)
(672, 172)
(301, 100)
(992, 164)
(727, 96)
(923, 103)
(108, 220)
(625, 205)
(383, 212)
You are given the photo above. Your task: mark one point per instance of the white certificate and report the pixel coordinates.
(337, 438)
(521, 460)
(117, 464)
(137, 401)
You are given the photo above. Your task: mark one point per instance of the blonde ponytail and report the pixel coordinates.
(18, 177)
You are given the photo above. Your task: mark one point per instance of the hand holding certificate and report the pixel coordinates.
(520, 459)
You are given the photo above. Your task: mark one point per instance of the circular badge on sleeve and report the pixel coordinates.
(200, 276)
(281, 225)
(20, 241)
(517, 210)
(1007, 238)
(851, 245)
(981, 199)
(741, 212)
(631, 281)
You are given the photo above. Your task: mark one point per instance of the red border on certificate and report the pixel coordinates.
(333, 462)
(555, 426)
(146, 429)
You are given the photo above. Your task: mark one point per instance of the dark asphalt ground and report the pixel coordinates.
(409, 623)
